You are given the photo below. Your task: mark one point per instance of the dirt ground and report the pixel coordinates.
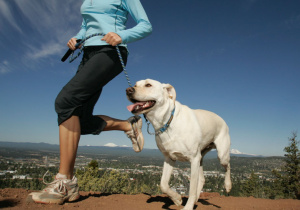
(16, 199)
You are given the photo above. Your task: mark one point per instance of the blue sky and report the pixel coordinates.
(237, 58)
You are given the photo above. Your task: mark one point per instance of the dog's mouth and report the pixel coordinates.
(140, 106)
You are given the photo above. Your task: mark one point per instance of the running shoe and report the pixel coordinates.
(57, 192)
(135, 134)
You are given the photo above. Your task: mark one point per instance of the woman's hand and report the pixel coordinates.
(71, 43)
(112, 39)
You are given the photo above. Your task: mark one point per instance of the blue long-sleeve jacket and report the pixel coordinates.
(103, 16)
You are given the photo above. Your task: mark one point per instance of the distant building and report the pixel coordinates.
(46, 161)
(10, 172)
(20, 176)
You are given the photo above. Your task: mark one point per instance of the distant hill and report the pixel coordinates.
(104, 150)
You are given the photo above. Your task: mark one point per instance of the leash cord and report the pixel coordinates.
(72, 58)
(162, 129)
(148, 125)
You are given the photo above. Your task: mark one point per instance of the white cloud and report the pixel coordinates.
(45, 50)
(7, 16)
(46, 27)
(51, 18)
(4, 67)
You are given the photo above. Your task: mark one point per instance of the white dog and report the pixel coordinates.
(181, 134)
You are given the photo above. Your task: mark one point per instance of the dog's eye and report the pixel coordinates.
(148, 85)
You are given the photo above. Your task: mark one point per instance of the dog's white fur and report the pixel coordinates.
(191, 134)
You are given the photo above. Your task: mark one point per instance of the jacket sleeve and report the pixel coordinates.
(143, 27)
(81, 33)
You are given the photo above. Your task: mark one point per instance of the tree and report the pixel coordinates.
(91, 179)
(251, 186)
(236, 187)
(289, 178)
(292, 166)
(276, 190)
(93, 164)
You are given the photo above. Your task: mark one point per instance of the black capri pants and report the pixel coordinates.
(99, 65)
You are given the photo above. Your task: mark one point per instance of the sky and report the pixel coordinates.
(237, 58)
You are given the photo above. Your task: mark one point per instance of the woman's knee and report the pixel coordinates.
(59, 102)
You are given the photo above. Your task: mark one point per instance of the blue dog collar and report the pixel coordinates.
(164, 128)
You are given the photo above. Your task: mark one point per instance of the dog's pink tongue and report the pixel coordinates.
(132, 106)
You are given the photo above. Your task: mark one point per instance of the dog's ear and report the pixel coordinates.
(171, 91)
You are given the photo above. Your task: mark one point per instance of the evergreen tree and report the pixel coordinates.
(289, 178)
(93, 164)
(251, 186)
(236, 187)
(276, 191)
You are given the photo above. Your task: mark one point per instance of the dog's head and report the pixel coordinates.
(148, 95)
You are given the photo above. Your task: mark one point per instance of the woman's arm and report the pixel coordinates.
(82, 32)
(143, 27)
(80, 35)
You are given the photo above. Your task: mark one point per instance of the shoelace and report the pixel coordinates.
(61, 187)
(133, 134)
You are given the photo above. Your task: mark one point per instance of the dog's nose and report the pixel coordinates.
(130, 91)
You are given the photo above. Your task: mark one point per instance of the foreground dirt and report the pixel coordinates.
(16, 199)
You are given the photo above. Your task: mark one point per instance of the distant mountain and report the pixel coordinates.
(29, 146)
(110, 145)
(235, 152)
(108, 149)
(114, 145)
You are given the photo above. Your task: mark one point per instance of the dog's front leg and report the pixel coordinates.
(195, 167)
(164, 182)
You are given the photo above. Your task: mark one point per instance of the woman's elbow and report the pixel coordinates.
(148, 28)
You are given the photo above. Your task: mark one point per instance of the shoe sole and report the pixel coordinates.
(72, 198)
(140, 139)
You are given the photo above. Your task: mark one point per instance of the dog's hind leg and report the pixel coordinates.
(195, 169)
(227, 183)
(223, 148)
(164, 182)
(201, 179)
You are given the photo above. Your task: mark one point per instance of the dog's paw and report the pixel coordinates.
(178, 202)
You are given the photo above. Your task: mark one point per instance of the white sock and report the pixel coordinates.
(60, 176)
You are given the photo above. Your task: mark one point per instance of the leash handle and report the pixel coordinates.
(72, 58)
(69, 52)
(79, 42)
